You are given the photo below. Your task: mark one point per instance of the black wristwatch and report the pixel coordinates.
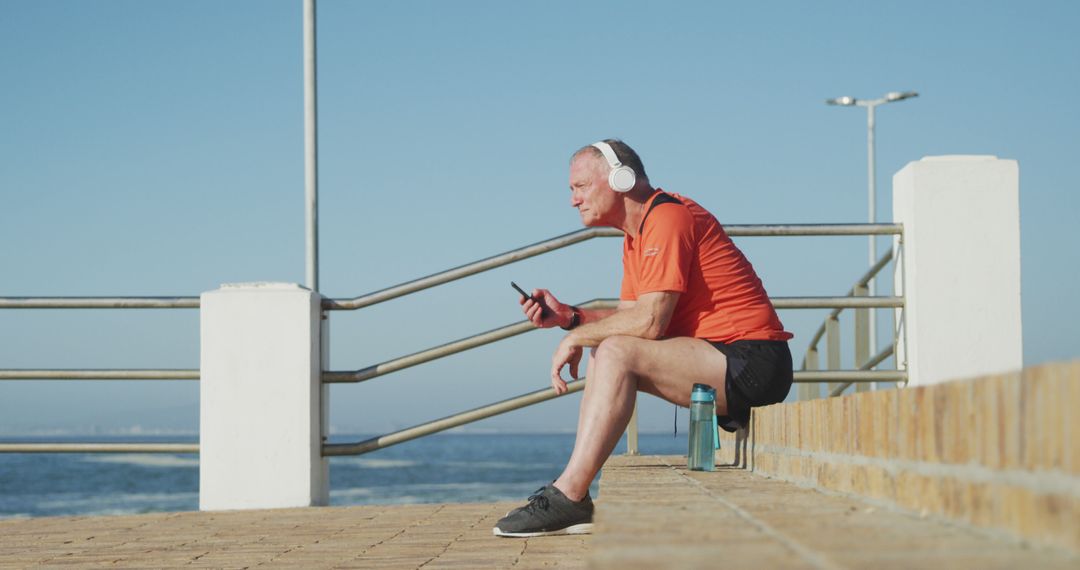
(575, 319)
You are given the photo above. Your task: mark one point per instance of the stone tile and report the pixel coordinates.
(405, 536)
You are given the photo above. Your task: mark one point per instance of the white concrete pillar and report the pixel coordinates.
(959, 267)
(262, 402)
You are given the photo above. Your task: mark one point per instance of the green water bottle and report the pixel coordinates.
(703, 438)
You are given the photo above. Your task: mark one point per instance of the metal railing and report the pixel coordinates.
(428, 428)
(864, 362)
(441, 351)
(447, 349)
(565, 240)
(883, 375)
(99, 448)
(99, 302)
(454, 347)
(99, 374)
(520, 327)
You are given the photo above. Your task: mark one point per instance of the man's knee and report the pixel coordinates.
(615, 351)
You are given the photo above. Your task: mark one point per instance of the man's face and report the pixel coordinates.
(589, 190)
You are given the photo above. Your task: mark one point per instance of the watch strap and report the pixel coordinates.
(575, 319)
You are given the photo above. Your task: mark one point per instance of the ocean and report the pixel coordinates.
(443, 468)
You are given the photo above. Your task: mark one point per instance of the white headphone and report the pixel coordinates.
(621, 178)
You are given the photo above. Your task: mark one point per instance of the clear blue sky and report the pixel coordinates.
(155, 148)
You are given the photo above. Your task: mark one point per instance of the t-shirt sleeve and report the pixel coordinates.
(667, 248)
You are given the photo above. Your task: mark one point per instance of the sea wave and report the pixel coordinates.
(145, 460)
(502, 465)
(115, 503)
(352, 493)
(369, 463)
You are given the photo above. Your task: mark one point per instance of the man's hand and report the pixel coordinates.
(567, 353)
(556, 313)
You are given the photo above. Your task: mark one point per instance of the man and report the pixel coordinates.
(692, 310)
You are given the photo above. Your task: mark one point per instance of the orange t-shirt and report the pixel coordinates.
(682, 248)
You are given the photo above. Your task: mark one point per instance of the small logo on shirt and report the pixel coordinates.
(651, 251)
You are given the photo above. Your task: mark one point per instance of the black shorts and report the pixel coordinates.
(758, 374)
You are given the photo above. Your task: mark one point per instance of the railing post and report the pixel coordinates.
(862, 334)
(832, 340)
(961, 267)
(898, 329)
(261, 398)
(631, 433)
(808, 390)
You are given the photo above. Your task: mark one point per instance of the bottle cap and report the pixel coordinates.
(703, 393)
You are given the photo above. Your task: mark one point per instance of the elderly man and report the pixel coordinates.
(692, 310)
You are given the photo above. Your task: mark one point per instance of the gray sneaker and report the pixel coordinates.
(548, 513)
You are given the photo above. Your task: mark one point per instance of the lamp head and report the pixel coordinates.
(900, 96)
(842, 101)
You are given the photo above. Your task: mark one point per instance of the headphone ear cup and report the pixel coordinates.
(622, 179)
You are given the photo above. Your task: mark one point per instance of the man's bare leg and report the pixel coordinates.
(617, 370)
(605, 410)
(583, 406)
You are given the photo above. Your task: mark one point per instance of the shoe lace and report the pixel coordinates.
(538, 500)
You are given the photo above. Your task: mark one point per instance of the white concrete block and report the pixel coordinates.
(261, 398)
(960, 269)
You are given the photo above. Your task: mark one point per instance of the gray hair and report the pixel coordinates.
(625, 154)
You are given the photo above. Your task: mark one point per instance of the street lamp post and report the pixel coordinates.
(870, 104)
(311, 152)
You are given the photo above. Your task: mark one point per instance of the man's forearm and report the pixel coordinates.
(589, 316)
(565, 316)
(601, 324)
(646, 317)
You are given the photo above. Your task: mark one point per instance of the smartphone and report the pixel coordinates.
(523, 293)
(543, 310)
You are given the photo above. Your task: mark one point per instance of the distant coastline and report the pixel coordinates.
(189, 434)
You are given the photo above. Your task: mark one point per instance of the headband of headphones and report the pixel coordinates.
(621, 178)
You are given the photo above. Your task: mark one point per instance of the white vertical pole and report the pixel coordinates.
(872, 215)
(311, 152)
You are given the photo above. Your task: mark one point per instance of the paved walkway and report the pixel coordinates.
(651, 514)
(656, 514)
(394, 536)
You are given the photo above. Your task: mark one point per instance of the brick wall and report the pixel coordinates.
(1001, 452)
